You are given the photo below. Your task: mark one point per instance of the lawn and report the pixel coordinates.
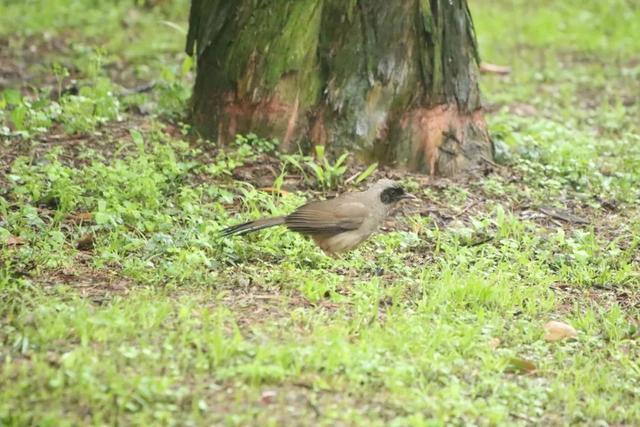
(120, 304)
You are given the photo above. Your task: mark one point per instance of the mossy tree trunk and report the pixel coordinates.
(394, 81)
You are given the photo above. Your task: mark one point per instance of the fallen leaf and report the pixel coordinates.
(14, 241)
(494, 343)
(80, 217)
(267, 397)
(86, 242)
(518, 365)
(53, 358)
(274, 190)
(556, 331)
(525, 110)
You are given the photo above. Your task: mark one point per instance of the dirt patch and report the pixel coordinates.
(99, 286)
(301, 400)
(105, 142)
(19, 60)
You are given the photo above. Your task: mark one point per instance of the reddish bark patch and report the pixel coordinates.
(318, 133)
(247, 113)
(241, 115)
(291, 124)
(430, 127)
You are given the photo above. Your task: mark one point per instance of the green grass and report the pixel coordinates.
(158, 321)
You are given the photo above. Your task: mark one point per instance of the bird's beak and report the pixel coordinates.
(408, 196)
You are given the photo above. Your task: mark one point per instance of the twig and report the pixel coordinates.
(563, 215)
(146, 87)
(466, 208)
(492, 163)
(479, 242)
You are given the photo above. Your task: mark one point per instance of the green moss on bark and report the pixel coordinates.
(276, 39)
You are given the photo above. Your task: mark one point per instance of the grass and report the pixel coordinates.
(120, 304)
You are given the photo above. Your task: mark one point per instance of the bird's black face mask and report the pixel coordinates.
(392, 195)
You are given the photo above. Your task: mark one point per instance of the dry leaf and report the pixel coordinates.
(556, 331)
(14, 241)
(274, 190)
(53, 358)
(494, 343)
(518, 365)
(267, 397)
(86, 242)
(80, 217)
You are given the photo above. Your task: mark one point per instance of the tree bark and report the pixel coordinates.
(394, 81)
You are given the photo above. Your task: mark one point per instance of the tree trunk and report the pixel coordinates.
(394, 81)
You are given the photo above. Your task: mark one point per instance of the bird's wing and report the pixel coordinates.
(327, 217)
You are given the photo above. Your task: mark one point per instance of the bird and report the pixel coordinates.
(340, 224)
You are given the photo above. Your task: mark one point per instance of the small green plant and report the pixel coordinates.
(174, 88)
(328, 176)
(366, 173)
(94, 105)
(244, 148)
(60, 72)
(257, 144)
(319, 171)
(27, 116)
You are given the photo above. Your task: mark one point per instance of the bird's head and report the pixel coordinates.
(391, 192)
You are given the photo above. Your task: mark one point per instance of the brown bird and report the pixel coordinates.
(340, 224)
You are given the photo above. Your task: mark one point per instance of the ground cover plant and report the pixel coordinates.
(120, 303)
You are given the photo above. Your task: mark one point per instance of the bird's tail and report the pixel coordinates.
(250, 227)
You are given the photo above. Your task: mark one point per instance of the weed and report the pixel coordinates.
(319, 171)
(174, 89)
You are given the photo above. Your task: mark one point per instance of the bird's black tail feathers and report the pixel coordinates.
(250, 227)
